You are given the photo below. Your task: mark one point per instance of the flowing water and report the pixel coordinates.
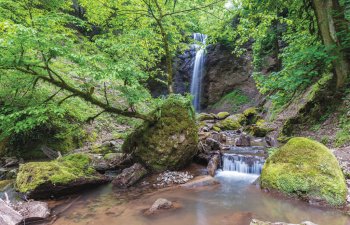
(198, 69)
(235, 201)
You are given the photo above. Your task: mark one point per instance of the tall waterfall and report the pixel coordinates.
(196, 84)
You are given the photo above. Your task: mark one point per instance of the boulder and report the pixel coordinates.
(33, 210)
(260, 129)
(159, 204)
(205, 116)
(258, 222)
(213, 165)
(233, 122)
(212, 144)
(243, 141)
(130, 176)
(9, 216)
(222, 115)
(307, 169)
(169, 142)
(110, 161)
(65, 175)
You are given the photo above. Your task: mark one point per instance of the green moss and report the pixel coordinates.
(232, 102)
(171, 141)
(250, 112)
(60, 171)
(233, 122)
(217, 129)
(260, 129)
(307, 169)
(222, 115)
(205, 116)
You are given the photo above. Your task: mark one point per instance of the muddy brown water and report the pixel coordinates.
(235, 201)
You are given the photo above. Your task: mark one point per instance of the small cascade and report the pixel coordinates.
(242, 163)
(198, 70)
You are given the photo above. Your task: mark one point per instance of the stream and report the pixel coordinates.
(236, 200)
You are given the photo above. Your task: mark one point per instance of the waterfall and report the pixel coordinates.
(198, 69)
(243, 164)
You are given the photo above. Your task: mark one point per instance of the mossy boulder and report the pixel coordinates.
(170, 142)
(62, 176)
(222, 115)
(206, 116)
(252, 115)
(233, 122)
(260, 128)
(307, 169)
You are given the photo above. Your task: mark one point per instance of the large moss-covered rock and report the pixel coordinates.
(62, 176)
(233, 122)
(170, 142)
(305, 168)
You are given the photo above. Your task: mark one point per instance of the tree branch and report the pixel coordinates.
(85, 96)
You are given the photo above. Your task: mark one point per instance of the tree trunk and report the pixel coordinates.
(330, 18)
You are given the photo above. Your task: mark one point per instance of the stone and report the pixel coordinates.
(212, 144)
(159, 204)
(10, 162)
(9, 216)
(307, 169)
(66, 175)
(168, 143)
(205, 116)
(222, 115)
(110, 161)
(259, 222)
(213, 165)
(33, 210)
(130, 176)
(260, 129)
(200, 181)
(233, 122)
(243, 141)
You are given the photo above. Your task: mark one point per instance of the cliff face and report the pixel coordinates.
(225, 73)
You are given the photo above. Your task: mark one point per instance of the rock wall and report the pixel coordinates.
(224, 72)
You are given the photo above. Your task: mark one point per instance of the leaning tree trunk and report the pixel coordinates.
(331, 20)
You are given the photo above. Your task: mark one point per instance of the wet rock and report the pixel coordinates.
(66, 175)
(258, 222)
(243, 141)
(9, 216)
(212, 144)
(33, 210)
(8, 173)
(159, 204)
(213, 165)
(200, 181)
(169, 178)
(170, 142)
(10, 162)
(129, 176)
